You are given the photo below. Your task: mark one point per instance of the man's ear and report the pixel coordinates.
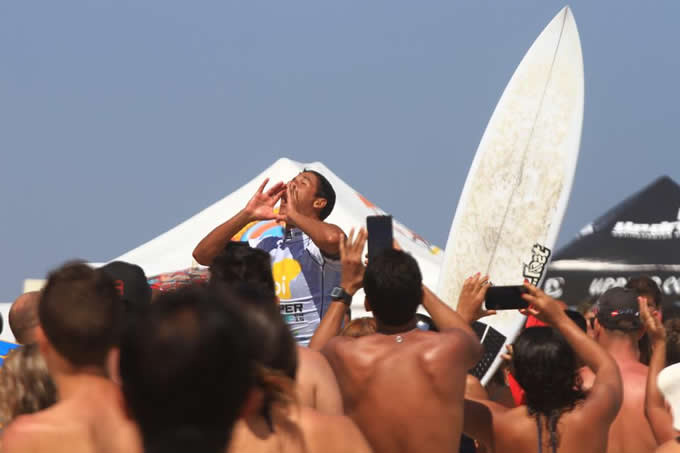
(597, 328)
(367, 305)
(320, 203)
(113, 366)
(253, 403)
(41, 340)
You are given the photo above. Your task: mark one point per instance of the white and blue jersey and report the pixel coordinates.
(304, 278)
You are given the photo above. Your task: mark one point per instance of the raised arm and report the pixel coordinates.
(260, 207)
(351, 280)
(660, 419)
(326, 236)
(604, 398)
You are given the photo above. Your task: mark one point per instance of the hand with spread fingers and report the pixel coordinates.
(653, 326)
(351, 249)
(261, 205)
(472, 297)
(542, 306)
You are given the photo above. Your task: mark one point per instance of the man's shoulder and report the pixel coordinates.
(330, 432)
(28, 430)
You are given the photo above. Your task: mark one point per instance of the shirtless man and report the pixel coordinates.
(558, 416)
(403, 387)
(23, 317)
(185, 374)
(315, 382)
(618, 329)
(80, 315)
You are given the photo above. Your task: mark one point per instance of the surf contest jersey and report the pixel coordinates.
(304, 278)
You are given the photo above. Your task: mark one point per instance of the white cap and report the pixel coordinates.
(669, 384)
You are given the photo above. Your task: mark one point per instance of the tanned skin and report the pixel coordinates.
(90, 416)
(581, 430)
(659, 417)
(300, 207)
(298, 430)
(404, 396)
(315, 383)
(631, 431)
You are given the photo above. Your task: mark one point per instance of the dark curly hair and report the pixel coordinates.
(547, 369)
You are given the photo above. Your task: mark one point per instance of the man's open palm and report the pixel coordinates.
(261, 206)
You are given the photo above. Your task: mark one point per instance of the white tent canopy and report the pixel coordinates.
(172, 250)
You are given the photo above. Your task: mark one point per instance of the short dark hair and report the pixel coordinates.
(239, 263)
(324, 190)
(546, 367)
(185, 373)
(646, 286)
(394, 286)
(81, 314)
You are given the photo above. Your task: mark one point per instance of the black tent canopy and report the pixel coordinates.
(639, 236)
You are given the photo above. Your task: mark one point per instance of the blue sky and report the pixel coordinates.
(119, 119)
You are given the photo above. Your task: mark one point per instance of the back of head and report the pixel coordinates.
(644, 286)
(81, 314)
(131, 283)
(393, 286)
(184, 370)
(271, 342)
(240, 263)
(23, 317)
(324, 189)
(618, 310)
(546, 368)
(25, 384)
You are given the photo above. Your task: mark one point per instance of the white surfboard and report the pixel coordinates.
(516, 192)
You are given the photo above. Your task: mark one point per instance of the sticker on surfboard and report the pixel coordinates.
(516, 192)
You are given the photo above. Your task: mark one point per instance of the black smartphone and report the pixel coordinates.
(505, 298)
(380, 234)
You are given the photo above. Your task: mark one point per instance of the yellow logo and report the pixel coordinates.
(285, 271)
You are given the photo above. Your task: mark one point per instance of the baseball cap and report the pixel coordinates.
(618, 309)
(130, 282)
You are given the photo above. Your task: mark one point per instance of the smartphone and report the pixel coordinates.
(505, 298)
(380, 234)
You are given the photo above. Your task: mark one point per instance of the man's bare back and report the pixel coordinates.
(630, 432)
(91, 419)
(316, 384)
(298, 430)
(405, 391)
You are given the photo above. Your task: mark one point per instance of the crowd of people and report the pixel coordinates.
(261, 354)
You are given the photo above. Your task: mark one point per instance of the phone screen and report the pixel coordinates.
(380, 235)
(505, 298)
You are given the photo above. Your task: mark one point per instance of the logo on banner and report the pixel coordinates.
(653, 231)
(539, 259)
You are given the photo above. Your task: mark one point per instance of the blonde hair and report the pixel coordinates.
(25, 384)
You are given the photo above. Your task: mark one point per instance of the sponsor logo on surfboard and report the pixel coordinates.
(539, 259)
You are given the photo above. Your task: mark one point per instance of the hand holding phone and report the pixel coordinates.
(506, 298)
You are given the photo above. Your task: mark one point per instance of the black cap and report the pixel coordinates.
(618, 309)
(131, 283)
